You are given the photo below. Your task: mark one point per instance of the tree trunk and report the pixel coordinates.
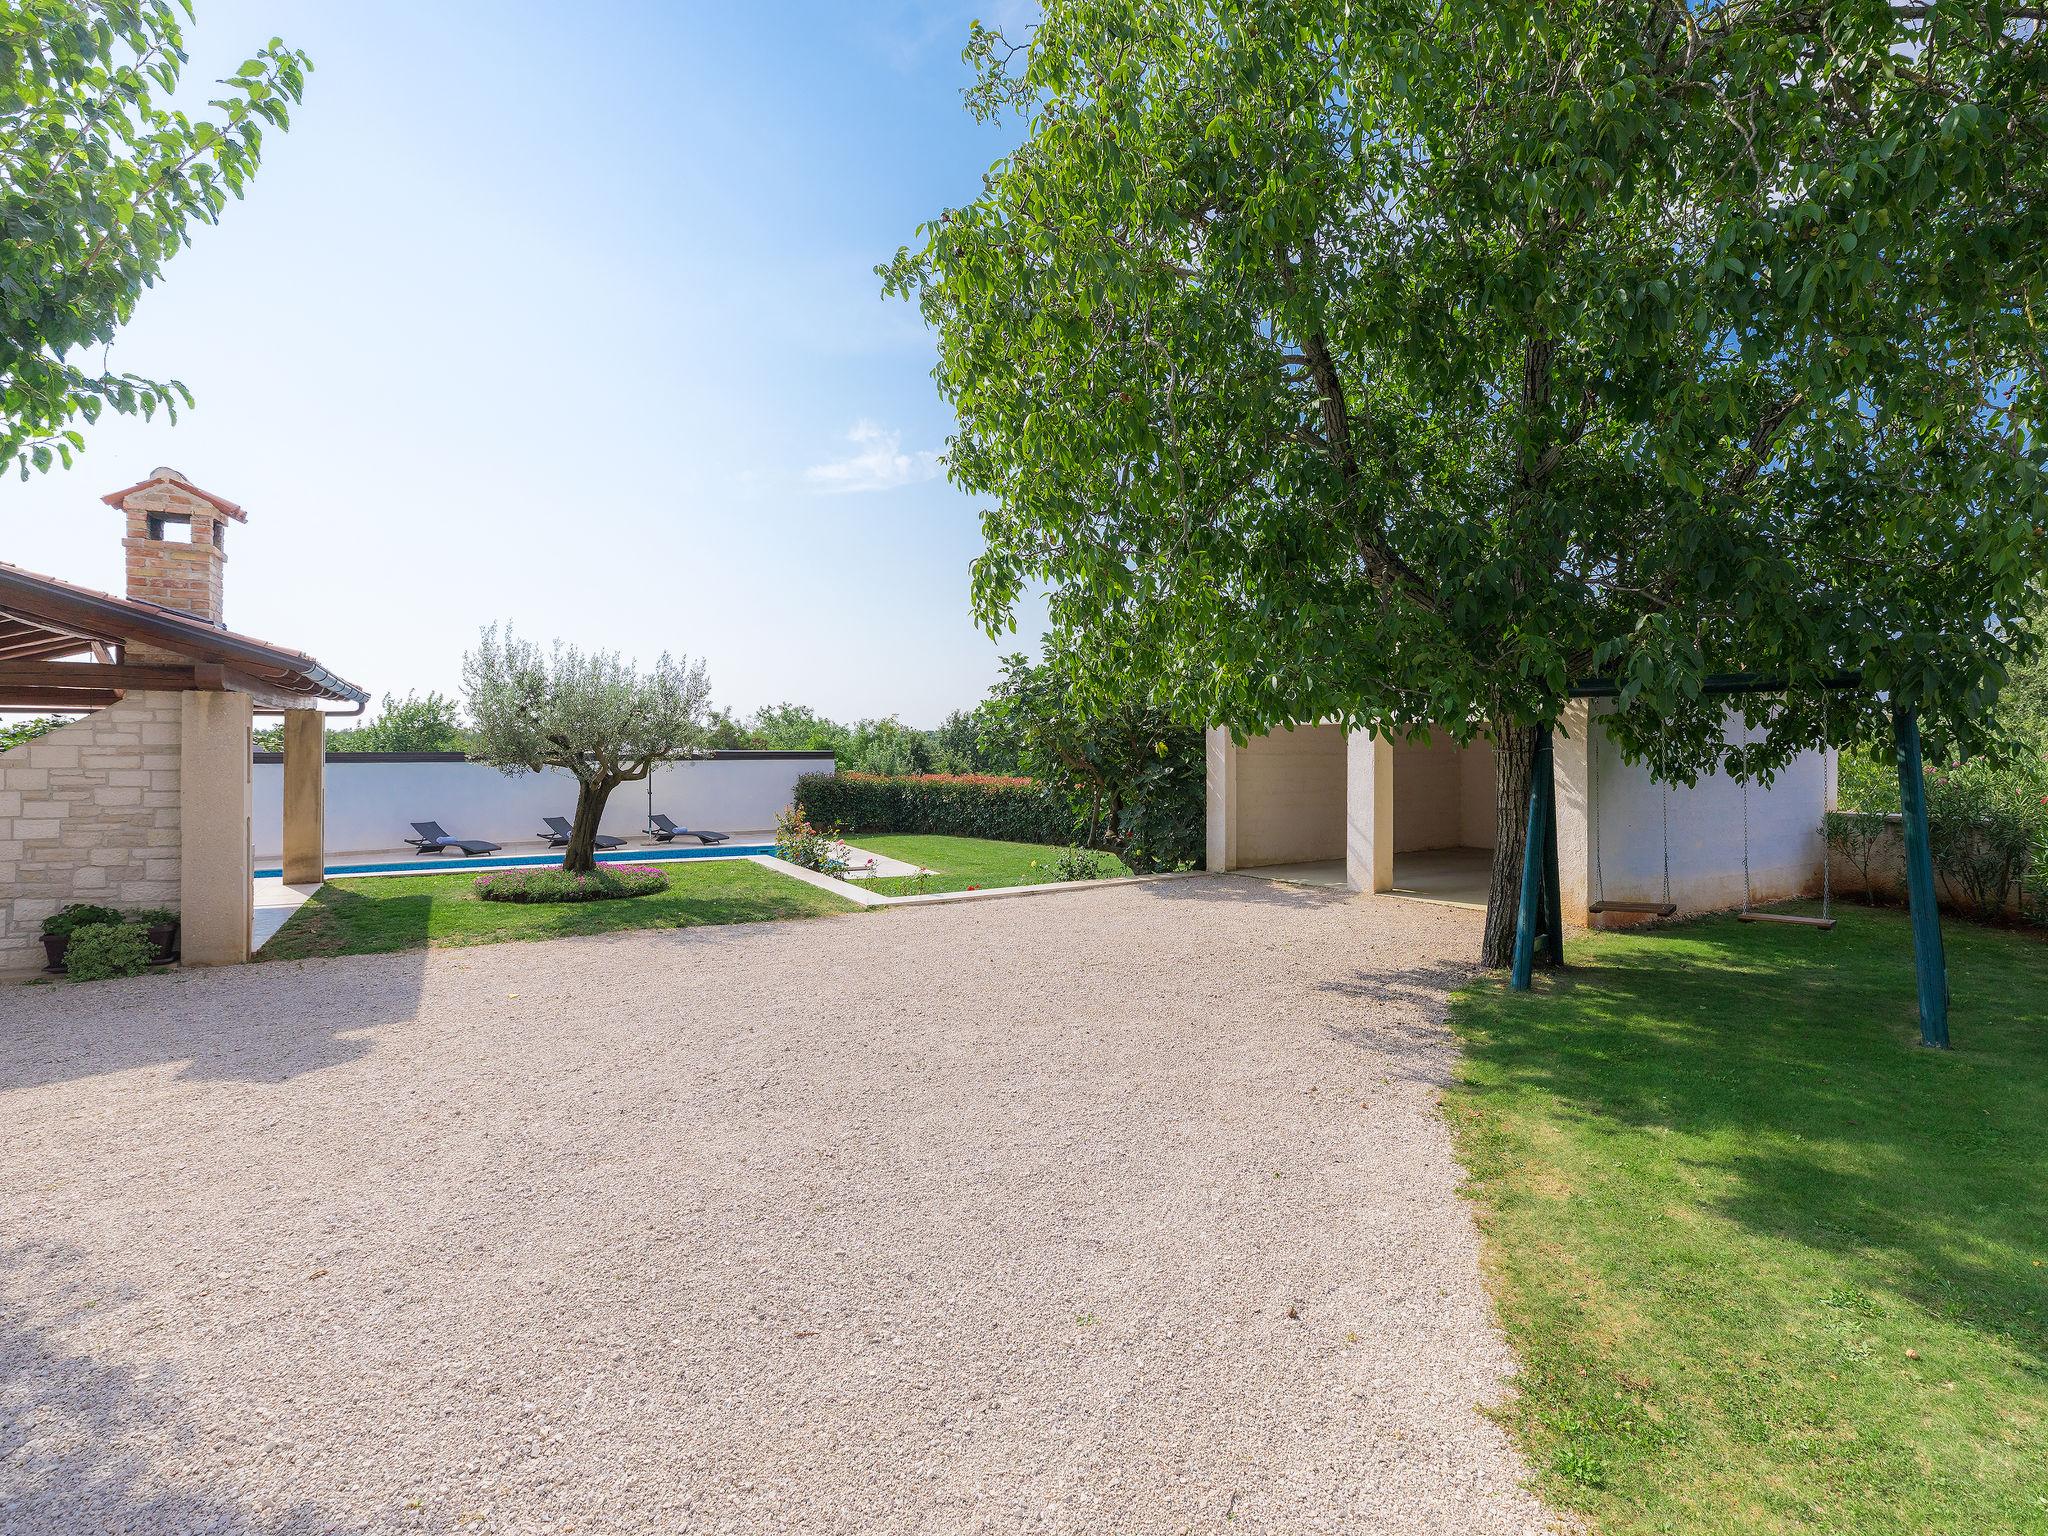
(580, 858)
(1514, 765)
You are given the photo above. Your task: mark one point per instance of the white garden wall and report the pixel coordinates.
(372, 800)
(1706, 829)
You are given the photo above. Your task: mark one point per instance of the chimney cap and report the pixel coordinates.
(164, 475)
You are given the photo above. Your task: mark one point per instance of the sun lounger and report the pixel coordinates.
(666, 831)
(559, 832)
(432, 839)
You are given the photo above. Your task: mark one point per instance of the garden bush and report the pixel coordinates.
(101, 950)
(1987, 830)
(801, 842)
(80, 914)
(956, 805)
(608, 882)
(1077, 863)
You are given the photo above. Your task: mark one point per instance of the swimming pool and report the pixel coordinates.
(427, 864)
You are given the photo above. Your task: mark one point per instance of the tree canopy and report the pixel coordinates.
(1133, 773)
(1399, 363)
(590, 712)
(101, 182)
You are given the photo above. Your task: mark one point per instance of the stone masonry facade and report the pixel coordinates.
(90, 812)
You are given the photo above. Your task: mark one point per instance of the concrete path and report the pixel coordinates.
(1122, 1211)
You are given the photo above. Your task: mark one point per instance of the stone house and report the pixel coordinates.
(145, 801)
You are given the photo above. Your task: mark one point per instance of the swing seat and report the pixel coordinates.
(1785, 917)
(1654, 908)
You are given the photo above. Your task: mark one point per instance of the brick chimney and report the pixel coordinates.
(176, 543)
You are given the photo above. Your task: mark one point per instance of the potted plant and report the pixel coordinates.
(162, 924)
(65, 921)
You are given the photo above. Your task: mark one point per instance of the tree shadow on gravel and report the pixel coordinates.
(246, 1023)
(79, 1437)
(1244, 891)
(1401, 1013)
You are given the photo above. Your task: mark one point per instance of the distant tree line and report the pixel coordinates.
(429, 722)
(977, 740)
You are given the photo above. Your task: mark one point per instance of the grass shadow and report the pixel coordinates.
(1767, 1263)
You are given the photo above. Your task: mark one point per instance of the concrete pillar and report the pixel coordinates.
(305, 797)
(216, 904)
(1368, 812)
(1221, 799)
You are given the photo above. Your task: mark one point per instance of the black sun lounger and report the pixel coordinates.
(559, 832)
(666, 831)
(432, 839)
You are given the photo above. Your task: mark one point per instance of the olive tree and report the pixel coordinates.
(1398, 363)
(593, 713)
(101, 182)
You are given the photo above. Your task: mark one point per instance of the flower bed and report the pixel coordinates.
(610, 882)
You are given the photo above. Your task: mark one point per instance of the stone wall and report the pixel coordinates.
(90, 812)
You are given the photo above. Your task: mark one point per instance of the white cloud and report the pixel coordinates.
(878, 463)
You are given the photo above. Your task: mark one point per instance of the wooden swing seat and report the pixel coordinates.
(1654, 908)
(1785, 917)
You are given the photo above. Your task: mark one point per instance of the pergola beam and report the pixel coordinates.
(99, 674)
(58, 698)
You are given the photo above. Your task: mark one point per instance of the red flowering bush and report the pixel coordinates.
(986, 780)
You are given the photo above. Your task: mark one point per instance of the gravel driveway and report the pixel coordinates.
(1120, 1210)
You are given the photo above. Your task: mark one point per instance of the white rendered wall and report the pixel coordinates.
(1706, 829)
(371, 805)
(1278, 799)
(1443, 794)
(1291, 797)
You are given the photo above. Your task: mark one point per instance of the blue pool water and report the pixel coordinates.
(426, 864)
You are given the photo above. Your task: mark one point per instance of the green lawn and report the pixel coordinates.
(966, 863)
(374, 915)
(1769, 1265)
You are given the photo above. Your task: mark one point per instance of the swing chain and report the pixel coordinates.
(1664, 785)
(1828, 770)
(1745, 811)
(1593, 735)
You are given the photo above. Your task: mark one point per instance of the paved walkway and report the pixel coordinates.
(1124, 1210)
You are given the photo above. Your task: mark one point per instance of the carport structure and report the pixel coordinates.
(145, 801)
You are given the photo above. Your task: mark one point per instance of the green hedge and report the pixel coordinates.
(958, 805)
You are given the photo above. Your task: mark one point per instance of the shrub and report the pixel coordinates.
(608, 882)
(100, 950)
(80, 914)
(1987, 829)
(957, 805)
(1856, 837)
(1076, 863)
(1984, 825)
(801, 842)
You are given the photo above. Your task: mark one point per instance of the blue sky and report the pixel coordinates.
(565, 315)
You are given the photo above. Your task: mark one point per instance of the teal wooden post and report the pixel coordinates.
(1536, 839)
(1929, 964)
(1553, 900)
